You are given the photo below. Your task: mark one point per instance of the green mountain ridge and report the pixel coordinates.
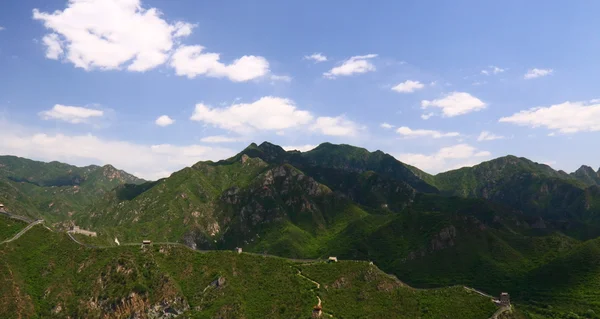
(51, 276)
(54, 191)
(494, 226)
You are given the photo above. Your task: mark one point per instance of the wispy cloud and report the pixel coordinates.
(316, 57)
(537, 73)
(354, 65)
(408, 86)
(487, 136)
(408, 132)
(71, 114)
(446, 158)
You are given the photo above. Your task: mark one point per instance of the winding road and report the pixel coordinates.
(23, 231)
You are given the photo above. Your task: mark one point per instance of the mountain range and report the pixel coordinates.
(508, 224)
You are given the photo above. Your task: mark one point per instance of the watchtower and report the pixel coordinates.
(505, 299)
(317, 312)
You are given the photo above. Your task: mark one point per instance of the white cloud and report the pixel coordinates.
(446, 158)
(426, 116)
(568, 117)
(267, 113)
(408, 132)
(221, 139)
(151, 161)
(53, 46)
(116, 34)
(164, 120)
(336, 126)
(317, 57)
(282, 78)
(301, 148)
(354, 65)
(492, 69)
(496, 69)
(386, 126)
(536, 73)
(71, 114)
(190, 61)
(455, 103)
(2, 28)
(408, 86)
(183, 29)
(110, 34)
(487, 136)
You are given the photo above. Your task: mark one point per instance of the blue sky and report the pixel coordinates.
(153, 86)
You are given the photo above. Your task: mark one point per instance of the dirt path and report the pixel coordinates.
(314, 282)
(318, 286)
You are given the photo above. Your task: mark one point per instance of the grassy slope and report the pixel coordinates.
(355, 289)
(50, 276)
(9, 227)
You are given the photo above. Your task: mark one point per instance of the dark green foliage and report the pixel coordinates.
(357, 289)
(50, 276)
(505, 225)
(9, 227)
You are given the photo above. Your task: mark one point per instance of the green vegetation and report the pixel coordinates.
(505, 225)
(48, 275)
(357, 289)
(54, 191)
(9, 227)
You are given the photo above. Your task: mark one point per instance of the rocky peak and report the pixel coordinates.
(586, 170)
(271, 150)
(587, 175)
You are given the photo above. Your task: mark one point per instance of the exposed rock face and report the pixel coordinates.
(219, 282)
(137, 306)
(340, 283)
(443, 239)
(245, 158)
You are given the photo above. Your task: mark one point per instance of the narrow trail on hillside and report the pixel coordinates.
(301, 261)
(314, 282)
(318, 286)
(23, 231)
